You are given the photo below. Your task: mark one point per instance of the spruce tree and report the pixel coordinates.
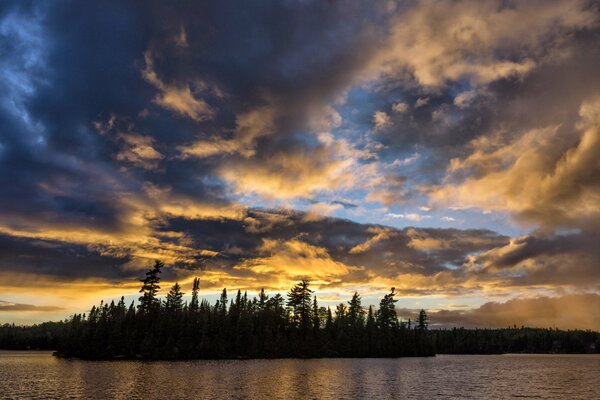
(356, 314)
(299, 300)
(194, 304)
(422, 321)
(149, 301)
(386, 315)
(174, 301)
(315, 315)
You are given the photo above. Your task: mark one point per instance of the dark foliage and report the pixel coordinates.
(243, 327)
(44, 336)
(514, 340)
(269, 327)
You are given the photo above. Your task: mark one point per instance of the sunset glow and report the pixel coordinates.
(449, 149)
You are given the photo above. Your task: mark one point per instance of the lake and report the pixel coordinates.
(38, 375)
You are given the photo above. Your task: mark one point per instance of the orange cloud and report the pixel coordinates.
(287, 175)
(440, 41)
(538, 176)
(250, 126)
(287, 261)
(564, 312)
(178, 98)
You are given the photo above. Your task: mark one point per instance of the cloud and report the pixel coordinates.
(18, 307)
(287, 261)
(400, 107)
(381, 120)
(250, 126)
(480, 42)
(406, 161)
(575, 311)
(321, 209)
(188, 121)
(567, 261)
(409, 216)
(540, 177)
(421, 101)
(177, 97)
(464, 99)
(139, 150)
(287, 175)
(380, 234)
(387, 189)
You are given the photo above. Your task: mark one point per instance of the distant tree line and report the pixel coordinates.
(269, 327)
(514, 340)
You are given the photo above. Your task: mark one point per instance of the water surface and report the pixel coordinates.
(38, 375)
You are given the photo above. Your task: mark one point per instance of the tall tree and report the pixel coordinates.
(262, 300)
(370, 319)
(174, 301)
(315, 315)
(299, 300)
(356, 314)
(422, 321)
(195, 304)
(340, 315)
(149, 301)
(386, 315)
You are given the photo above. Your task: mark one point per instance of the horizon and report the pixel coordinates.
(448, 149)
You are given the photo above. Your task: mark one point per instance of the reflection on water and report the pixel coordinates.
(38, 375)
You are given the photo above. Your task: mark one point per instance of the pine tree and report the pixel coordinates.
(149, 301)
(329, 326)
(356, 314)
(259, 327)
(222, 302)
(340, 315)
(299, 300)
(262, 300)
(315, 315)
(386, 315)
(370, 317)
(174, 301)
(422, 321)
(194, 304)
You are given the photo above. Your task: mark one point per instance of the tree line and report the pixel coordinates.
(240, 327)
(269, 327)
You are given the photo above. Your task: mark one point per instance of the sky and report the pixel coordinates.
(449, 149)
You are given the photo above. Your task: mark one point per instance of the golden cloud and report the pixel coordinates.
(139, 150)
(287, 175)
(564, 312)
(250, 126)
(538, 176)
(380, 234)
(178, 98)
(439, 41)
(284, 262)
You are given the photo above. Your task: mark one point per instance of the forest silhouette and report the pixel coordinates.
(269, 327)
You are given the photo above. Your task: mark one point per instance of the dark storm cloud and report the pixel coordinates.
(410, 250)
(571, 259)
(158, 67)
(132, 131)
(51, 159)
(86, 65)
(57, 260)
